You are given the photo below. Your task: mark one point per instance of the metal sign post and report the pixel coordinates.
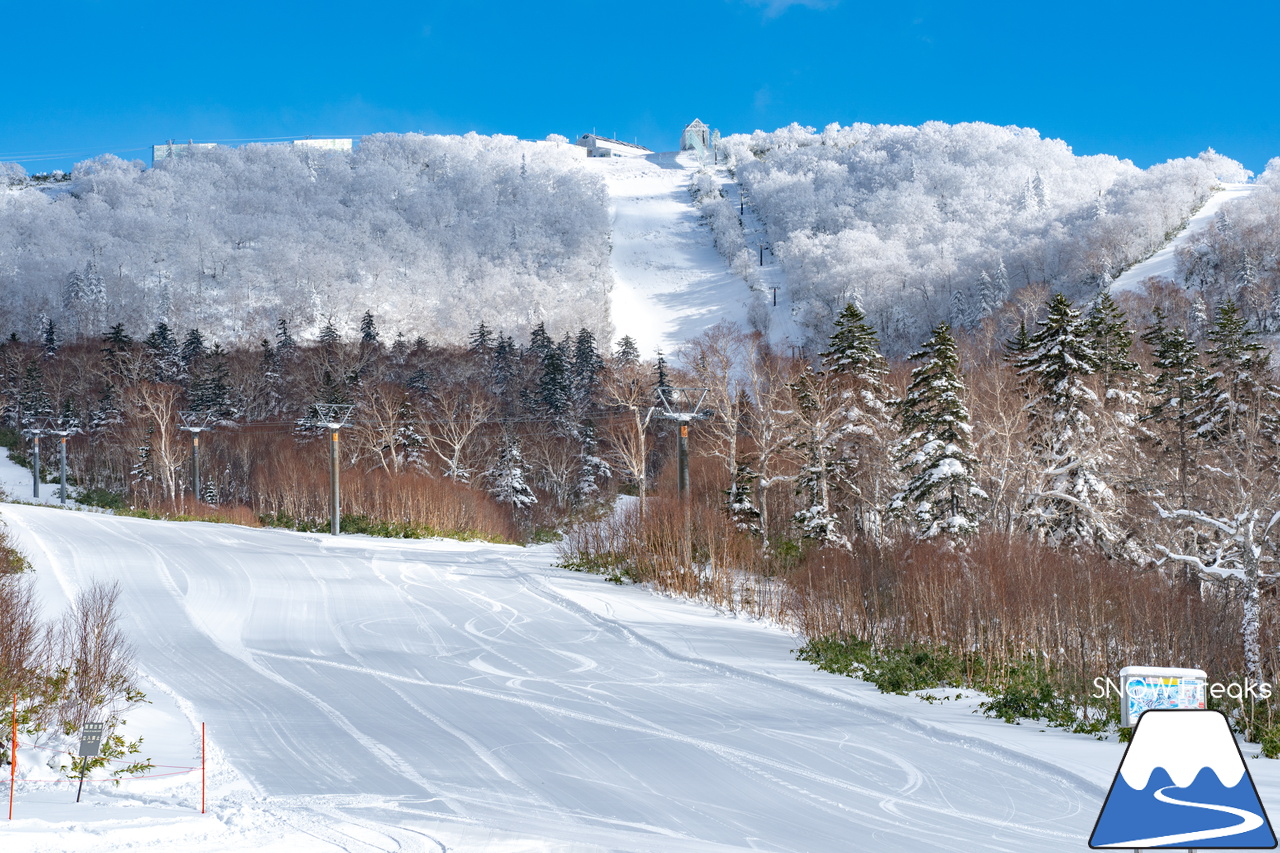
(90, 746)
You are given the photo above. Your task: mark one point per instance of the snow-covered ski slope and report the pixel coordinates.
(1164, 263)
(367, 694)
(670, 281)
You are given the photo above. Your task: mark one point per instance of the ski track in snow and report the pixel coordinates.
(384, 695)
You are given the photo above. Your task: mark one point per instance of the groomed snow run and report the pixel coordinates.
(1164, 263)
(384, 695)
(670, 281)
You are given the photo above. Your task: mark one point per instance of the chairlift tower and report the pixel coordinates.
(333, 417)
(63, 431)
(196, 423)
(682, 405)
(34, 433)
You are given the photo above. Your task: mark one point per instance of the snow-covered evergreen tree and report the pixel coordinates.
(1240, 395)
(627, 352)
(166, 354)
(50, 337)
(193, 348)
(942, 494)
(1112, 340)
(1069, 501)
(368, 331)
(862, 438)
(1177, 401)
(741, 505)
(507, 478)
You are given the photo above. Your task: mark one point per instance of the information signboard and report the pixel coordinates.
(1149, 688)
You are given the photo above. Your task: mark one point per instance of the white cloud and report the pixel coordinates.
(774, 8)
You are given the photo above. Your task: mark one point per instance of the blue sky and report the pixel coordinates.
(1142, 80)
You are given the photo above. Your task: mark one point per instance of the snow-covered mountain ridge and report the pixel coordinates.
(434, 234)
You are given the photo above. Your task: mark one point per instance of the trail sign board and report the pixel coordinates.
(91, 740)
(1163, 688)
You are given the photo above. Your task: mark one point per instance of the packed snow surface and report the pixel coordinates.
(1164, 263)
(670, 281)
(371, 695)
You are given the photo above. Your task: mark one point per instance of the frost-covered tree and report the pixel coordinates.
(1069, 502)
(820, 426)
(935, 453)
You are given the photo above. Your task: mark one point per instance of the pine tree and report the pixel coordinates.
(863, 417)
(116, 340)
(854, 348)
(627, 352)
(507, 479)
(141, 473)
(1039, 192)
(34, 402)
(1000, 283)
(399, 348)
(368, 331)
(586, 368)
(1112, 341)
(95, 287)
(286, 346)
(329, 337)
(505, 355)
(988, 299)
(554, 391)
(593, 471)
(936, 454)
(1240, 396)
(662, 383)
(960, 315)
(193, 348)
(165, 354)
(49, 337)
(106, 413)
(73, 291)
(210, 390)
(1178, 393)
(1070, 503)
(540, 342)
(1018, 346)
(742, 509)
(481, 340)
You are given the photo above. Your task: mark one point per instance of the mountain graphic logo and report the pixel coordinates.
(1183, 783)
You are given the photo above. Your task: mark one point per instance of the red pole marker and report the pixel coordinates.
(13, 756)
(202, 768)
